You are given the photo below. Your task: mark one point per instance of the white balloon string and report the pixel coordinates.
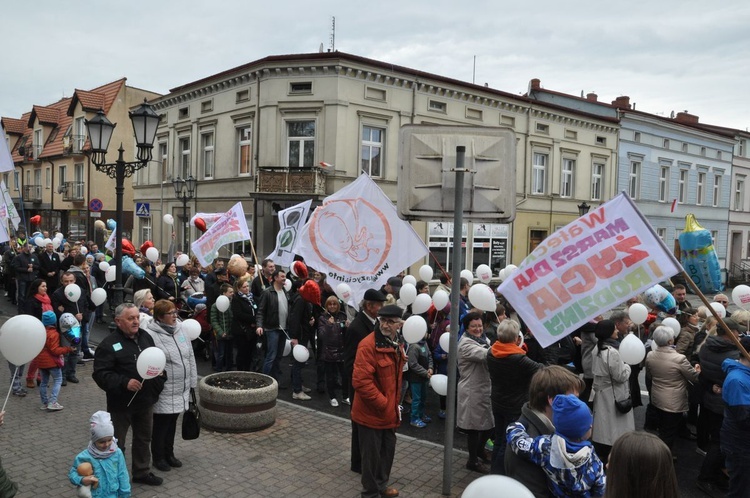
(15, 374)
(135, 394)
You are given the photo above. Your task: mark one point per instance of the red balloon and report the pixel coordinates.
(35, 220)
(145, 246)
(200, 224)
(128, 248)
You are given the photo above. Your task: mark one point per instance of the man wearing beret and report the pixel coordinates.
(376, 379)
(362, 325)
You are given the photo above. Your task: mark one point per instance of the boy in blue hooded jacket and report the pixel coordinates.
(735, 430)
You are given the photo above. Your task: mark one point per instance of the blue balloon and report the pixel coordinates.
(130, 268)
(111, 224)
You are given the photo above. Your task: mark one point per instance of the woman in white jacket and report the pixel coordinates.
(611, 381)
(182, 376)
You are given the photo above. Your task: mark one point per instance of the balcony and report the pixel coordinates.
(72, 191)
(73, 144)
(32, 193)
(285, 180)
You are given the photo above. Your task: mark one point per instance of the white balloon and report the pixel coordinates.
(150, 362)
(421, 304)
(39, 241)
(152, 254)
(425, 273)
(439, 383)
(409, 279)
(741, 296)
(287, 285)
(22, 338)
(192, 328)
(84, 250)
(104, 266)
(484, 274)
(673, 324)
(509, 269)
(720, 309)
(222, 303)
(59, 235)
(489, 485)
(182, 260)
(56, 243)
(168, 219)
(111, 274)
(440, 299)
(632, 351)
(287, 347)
(502, 275)
(72, 292)
(482, 297)
(300, 353)
(234, 256)
(467, 275)
(638, 313)
(344, 292)
(408, 294)
(445, 341)
(98, 296)
(414, 329)
(47, 241)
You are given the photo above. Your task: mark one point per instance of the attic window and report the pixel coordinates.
(542, 128)
(375, 94)
(207, 106)
(183, 113)
(436, 106)
(507, 120)
(302, 87)
(243, 95)
(601, 140)
(637, 136)
(571, 134)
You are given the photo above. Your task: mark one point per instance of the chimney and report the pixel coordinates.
(535, 84)
(592, 97)
(622, 102)
(686, 118)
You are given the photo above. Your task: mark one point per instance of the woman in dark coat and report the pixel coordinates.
(166, 284)
(332, 324)
(243, 323)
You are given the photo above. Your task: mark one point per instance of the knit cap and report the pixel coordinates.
(49, 319)
(571, 417)
(101, 426)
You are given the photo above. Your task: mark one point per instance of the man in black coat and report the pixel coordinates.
(362, 325)
(49, 267)
(264, 278)
(130, 399)
(26, 267)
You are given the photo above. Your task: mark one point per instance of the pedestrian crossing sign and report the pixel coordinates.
(142, 209)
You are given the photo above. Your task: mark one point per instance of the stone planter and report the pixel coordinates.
(237, 401)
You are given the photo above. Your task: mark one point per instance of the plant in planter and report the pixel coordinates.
(237, 401)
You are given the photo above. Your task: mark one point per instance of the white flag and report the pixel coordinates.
(231, 227)
(357, 238)
(290, 220)
(6, 160)
(8, 211)
(111, 242)
(587, 268)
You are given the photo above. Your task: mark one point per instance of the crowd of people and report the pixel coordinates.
(551, 418)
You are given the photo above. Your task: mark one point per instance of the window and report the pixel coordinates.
(664, 184)
(38, 136)
(567, 178)
(700, 192)
(718, 155)
(145, 229)
(38, 180)
(542, 128)
(80, 135)
(48, 177)
(597, 177)
(245, 144)
(682, 186)
(243, 95)
(301, 87)
(714, 236)
(666, 143)
(539, 173)
(436, 106)
(662, 234)
(207, 146)
(183, 112)
(684, 147)
(16, 180)
(634, 179)
(207, 106)
(163, 159)
(637, 136)
(300, 144)
(741, 147)
(375, 94)
(703, 151)
(184, 168)
(372, 151)
(717, 189)
(739, 193)
(571, 134)
(62, 175)
(78, 181)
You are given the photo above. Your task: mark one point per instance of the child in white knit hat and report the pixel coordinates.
(100, 471)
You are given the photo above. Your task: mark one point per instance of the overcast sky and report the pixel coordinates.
(667, 55)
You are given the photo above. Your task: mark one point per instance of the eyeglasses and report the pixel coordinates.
(391, 321)
(723, 302)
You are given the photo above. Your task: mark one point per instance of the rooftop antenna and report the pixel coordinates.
(333, 34)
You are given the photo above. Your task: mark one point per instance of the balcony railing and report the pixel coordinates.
(73, 144)
(73, 191)
(32, 193)
(285, 180)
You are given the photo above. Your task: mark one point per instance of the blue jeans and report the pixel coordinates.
(223, 355)
(18, 377)
(738, 466)
(22, 288)
(56, 374)
(418, 399)
(297, 376)
(275, 342)
(502, 421)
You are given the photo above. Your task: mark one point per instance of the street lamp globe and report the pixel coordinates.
(100, 131)
(145, 122)
(190, 185)
(583, 208)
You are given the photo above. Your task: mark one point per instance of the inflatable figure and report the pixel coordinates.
(698, 257)
(659, 298)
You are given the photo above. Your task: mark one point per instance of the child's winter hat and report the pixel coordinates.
(101, 426)
(49, 319)
(571, 417)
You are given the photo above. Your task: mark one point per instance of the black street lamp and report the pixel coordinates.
(100, 129)
(583, 208)
(184, 190)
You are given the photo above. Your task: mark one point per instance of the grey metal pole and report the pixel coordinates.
(450, 412)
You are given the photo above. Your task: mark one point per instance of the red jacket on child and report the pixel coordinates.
(48, 357)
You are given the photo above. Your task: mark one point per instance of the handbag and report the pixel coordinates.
(191, 419)
(622, 405)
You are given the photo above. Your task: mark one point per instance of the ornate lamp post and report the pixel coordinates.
(100, 129)
(583, 208)
(184, 190)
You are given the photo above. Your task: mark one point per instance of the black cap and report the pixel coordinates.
(735, 325)
(220, 271)
(604, 329)
(374, 295)
(396, 283)
(391, 310)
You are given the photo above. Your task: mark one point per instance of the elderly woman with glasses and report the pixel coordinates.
(182, 377)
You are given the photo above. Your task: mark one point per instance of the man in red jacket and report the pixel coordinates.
(377, 386)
